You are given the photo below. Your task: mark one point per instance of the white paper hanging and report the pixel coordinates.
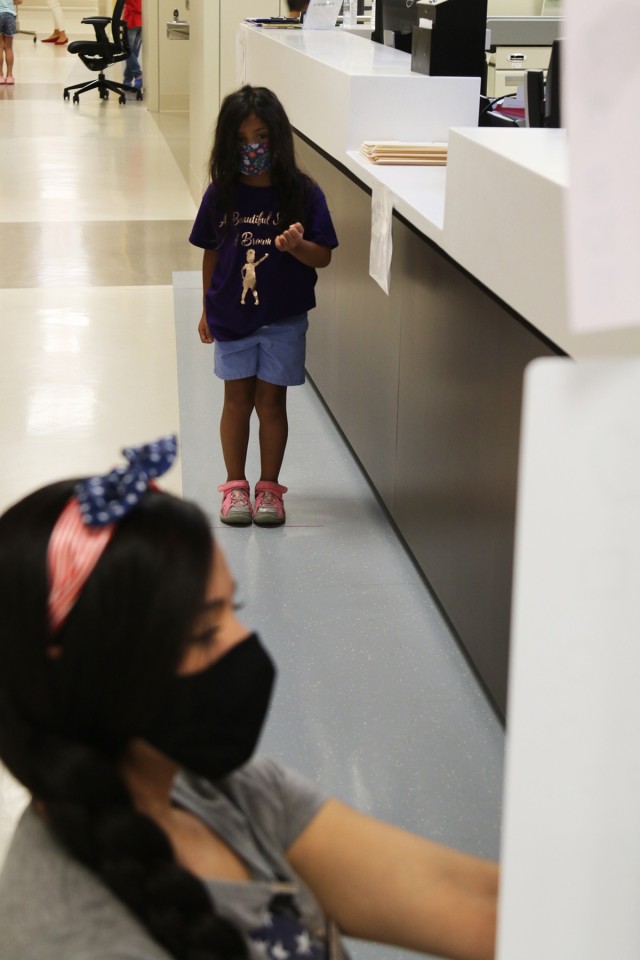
(381, 249)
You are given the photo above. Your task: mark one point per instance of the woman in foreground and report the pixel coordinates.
(131, 701)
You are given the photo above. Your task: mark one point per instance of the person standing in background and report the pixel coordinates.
(8, 19)
(132, 13)
(296, 8)
(58, 36)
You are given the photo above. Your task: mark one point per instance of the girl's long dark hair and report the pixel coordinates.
(64, 722)
(289, 182)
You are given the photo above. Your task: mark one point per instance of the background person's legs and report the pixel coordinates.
(58, 36)
(132, 68)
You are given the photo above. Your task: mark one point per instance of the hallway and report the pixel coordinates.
(100, 350)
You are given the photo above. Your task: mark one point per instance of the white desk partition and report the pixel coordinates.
(339, 89)
(571, 850)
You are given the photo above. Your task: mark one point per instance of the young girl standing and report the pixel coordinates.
(8, 20)
(265, 228)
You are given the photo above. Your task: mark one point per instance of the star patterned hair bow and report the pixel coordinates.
(105, 500)
(87, 523)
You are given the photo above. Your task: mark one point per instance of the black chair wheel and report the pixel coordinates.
(104, 94)
(122, 98)
(139, 95)
(66, 94)
(76, 98)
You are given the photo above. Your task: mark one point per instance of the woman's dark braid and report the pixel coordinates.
(90, 811)
(53, 707)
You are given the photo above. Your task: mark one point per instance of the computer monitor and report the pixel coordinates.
(534, 98)
(552, 97)
(542, 97)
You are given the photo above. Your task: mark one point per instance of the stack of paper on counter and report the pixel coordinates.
(405, 152)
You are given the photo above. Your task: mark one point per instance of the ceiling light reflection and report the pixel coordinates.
(59, 192)
(60, 342)
(61, 408)
(59, 329)
(62, 317)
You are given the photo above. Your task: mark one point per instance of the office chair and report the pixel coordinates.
(101, 53)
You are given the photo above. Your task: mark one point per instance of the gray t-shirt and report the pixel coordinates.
(52, 907)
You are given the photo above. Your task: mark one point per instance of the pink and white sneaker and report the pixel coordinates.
(236, 503)
(269, 509)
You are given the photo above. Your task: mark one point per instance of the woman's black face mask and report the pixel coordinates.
(211, 721)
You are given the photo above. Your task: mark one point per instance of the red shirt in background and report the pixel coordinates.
(132, 13)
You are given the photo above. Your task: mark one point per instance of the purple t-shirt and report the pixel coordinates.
(253, 283)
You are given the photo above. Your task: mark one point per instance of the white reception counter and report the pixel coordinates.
(497, 209)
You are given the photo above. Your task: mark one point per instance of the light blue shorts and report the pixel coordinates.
(274, 353)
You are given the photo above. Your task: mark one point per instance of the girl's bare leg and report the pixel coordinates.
(239, 398)
(271, 407)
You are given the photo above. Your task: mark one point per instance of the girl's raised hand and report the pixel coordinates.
(290, 239)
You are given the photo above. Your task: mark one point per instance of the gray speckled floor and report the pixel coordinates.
(374, 700)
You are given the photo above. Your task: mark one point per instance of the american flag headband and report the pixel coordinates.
(89, 519)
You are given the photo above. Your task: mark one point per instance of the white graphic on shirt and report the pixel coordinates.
(249, 276)
(278, 951)
(303, 944)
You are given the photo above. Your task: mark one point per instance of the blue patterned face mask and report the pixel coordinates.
(255, 158)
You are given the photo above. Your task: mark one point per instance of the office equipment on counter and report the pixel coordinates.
(321, 14)
(422, 35)
(405, 152)
(459, 39)
(493, 113)
(350, 13)
(270, 21)
(552, 89)
(534, 98)
(453, 45)
(542, 99)
(287, 25)
(396, 18)
(518, 44)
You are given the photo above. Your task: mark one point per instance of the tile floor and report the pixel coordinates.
(94, 211)
(99, 349)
